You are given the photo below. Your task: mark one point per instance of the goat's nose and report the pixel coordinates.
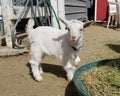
(73, 37)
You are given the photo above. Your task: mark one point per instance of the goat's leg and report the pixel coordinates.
(69, 68)
(41, 71)
(35, 70)
(76, 60)
(35, 65)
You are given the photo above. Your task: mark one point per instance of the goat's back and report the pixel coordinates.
(48, 39)
(46, 33)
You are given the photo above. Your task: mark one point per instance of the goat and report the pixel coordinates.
(63, 44)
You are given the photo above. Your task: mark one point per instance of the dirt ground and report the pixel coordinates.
(15, 79)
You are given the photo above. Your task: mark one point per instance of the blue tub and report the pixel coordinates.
(78, 83)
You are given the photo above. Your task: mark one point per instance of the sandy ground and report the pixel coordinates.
(15, 79)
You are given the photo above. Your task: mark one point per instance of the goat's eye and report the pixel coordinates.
(68, 29)
(81, 29)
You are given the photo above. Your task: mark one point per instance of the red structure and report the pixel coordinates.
(101, 10)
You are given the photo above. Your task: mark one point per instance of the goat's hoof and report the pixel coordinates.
(41, 71)
(69, 77)
(77, 61)
(38, 78)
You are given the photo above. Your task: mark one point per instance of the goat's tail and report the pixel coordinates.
(30, 25)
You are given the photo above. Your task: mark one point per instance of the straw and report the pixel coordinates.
(103, 80)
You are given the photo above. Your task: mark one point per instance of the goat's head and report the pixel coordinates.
(75, 29)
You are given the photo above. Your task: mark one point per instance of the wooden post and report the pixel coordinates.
(7, 12)
(54, 5)
(61, 12)
(59, 8)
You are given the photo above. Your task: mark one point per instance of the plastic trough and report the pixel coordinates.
(78, 83)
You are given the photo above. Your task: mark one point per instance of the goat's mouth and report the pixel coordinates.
(73, 41)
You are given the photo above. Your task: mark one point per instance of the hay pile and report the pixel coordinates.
(103, 80)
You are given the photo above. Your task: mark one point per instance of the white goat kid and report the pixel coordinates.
(64, 45)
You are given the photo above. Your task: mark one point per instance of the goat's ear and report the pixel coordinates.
(87, 23)
(64, 21)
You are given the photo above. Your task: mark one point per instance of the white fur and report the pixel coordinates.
(55, 42)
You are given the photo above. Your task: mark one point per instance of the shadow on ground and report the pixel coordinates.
(58, 71)
(51, 68)
(104, 24)
(71, 90)
(115, 48)
(54, 69)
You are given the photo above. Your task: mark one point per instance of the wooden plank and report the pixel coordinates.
(75, 13)
(75, 1)
(79, 4)
(75, 9)
(75, 16)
